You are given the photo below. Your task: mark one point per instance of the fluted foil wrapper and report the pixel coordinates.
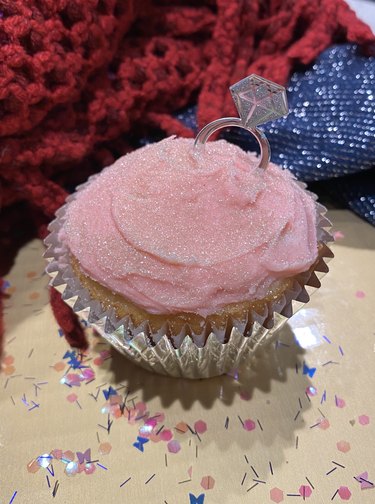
(187, 354)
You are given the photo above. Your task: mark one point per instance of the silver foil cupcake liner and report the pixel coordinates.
(211, 353)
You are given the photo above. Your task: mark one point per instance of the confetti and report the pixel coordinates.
(338, 235)
(343, 446)
(200, 427)
(207, 482)
(364, 419)
(344, 493)
(13, 497)
(305, 491)
(360, 294)
(308, 371)
(276, 495)
(196, 500)
(363, 480)
(105, 448)
(124, 483)
(174, 446)
(249, 425)
(140, 443)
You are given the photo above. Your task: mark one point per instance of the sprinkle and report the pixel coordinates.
(309, 482)
(243, 479)
(166, 460)
(324, 397)
(296, 442)
(254, 471)
(320, 411)
(276, 495)
(293, 495)
(185, 481)
(12, 400)
(259, 481)
(305, 491)
(260, 425)
(255, 484)
(102, 466)
(48, 483)
(328, 341)
(13, 497)
(331, 471)
(30, 353)
(226, 423)
(298, 412)
(149, 479)
(336, 463)
(240, 419)
(124, 483)
(341, 350)
(196, 451)
(271, 468)
(55, 488)
(247, 461)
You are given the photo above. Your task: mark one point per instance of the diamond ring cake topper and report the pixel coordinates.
(258, 101)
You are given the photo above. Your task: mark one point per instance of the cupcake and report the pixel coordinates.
(186, 258)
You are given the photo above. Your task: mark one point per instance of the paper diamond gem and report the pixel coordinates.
(259, 100)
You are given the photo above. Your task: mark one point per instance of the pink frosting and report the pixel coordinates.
(173, 228)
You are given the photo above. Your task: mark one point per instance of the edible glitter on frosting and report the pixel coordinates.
(178, 229)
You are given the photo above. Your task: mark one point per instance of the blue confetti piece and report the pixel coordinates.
(74, 363)
(308, 371)
(140, 442)
(196, 500)
(70, 355)
(108, 393)
(327, 340)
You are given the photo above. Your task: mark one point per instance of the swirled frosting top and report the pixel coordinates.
(178, 229)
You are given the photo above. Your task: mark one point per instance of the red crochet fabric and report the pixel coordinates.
(80, 80)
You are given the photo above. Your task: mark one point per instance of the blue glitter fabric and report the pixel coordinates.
(329, 132)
